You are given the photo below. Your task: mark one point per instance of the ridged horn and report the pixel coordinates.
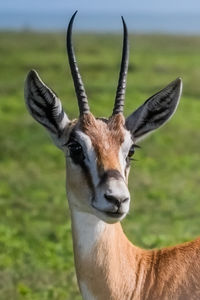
(78, 84)
(121, 88)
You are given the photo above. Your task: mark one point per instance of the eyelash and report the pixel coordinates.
(132, 150)
(130, 154)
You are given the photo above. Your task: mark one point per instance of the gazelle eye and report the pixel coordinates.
(76, 152)
(131, 151)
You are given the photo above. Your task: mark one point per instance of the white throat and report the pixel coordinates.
(87, 230)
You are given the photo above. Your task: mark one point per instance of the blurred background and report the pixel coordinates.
(36, 256)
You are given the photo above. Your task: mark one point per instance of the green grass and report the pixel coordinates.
(36, 257)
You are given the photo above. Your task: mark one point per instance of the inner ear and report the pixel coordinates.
(45, 106)
(156, 111)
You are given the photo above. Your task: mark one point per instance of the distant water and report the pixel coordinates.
(141, 23)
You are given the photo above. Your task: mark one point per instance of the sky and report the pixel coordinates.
(102, 6)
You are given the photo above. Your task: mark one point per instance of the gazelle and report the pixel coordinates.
(98, 152)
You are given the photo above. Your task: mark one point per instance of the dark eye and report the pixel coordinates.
(76, 152)
(131, 151)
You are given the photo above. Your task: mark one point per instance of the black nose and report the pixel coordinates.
(114, 200)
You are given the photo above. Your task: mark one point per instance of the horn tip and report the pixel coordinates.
(73, 16)
(123, 21)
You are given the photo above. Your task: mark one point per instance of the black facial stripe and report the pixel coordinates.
(83, 166)
(110, 174)
(88, 177)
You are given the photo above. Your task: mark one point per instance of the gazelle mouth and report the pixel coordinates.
(116, 215)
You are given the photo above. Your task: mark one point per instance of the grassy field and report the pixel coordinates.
(36, 257)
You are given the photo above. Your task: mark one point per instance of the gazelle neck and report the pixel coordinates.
(86, 230)
(108, 266)
(102, 260)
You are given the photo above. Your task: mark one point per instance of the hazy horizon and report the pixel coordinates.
(103, 6)
(100, 22)
(173, 16)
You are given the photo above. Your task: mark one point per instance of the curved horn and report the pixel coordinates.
(120, 94)
(78, 84)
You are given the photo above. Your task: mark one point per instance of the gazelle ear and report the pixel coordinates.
(45, 107)
(155, 111)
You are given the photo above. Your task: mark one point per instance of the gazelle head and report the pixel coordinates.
(98, 150)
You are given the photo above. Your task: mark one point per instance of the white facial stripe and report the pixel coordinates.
(127, 142)
(90, 155)
(124, 149)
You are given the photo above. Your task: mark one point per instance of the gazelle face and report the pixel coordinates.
(98, 157)
(98, 150)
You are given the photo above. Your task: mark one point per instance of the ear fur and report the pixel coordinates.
(45, 106)
(156, 111)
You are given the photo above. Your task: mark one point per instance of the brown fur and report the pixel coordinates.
(117, 270)
(106, 139)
